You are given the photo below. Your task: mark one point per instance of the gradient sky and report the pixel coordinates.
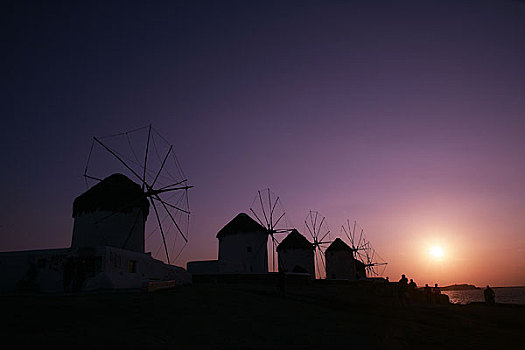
(407, 116)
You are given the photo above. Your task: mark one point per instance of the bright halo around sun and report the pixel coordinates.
(436, 252)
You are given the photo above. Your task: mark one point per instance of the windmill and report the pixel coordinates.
(158, 173)
(317, 226)
(374, 264)
(362, 249)
(269, 212)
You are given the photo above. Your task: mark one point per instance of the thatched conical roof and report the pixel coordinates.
(116, 193)
(295, 240)
(242, 223)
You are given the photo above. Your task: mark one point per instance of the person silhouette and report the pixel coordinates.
(402, 290)
(412, 285)
(436, 293)
(490, 296)
(428, 293)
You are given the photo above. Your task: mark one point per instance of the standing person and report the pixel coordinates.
(436, 294)
(428, 293)
(412, 286)
(402, 290)
(490, 296)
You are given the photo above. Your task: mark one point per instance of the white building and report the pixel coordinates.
(111, 213)
(296, 254)
(107, 249)
(243, 246)
(341, 264)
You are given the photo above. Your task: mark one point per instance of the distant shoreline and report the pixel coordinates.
(465, 286)
(460, 287)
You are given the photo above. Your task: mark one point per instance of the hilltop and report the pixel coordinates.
(248, 316)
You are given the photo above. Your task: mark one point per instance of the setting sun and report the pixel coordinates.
(436, 252)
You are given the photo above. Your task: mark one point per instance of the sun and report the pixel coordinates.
(436, 252)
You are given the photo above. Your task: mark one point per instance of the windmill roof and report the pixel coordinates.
(295, 240)
(339, 245)
(242, 223)
(116, 193)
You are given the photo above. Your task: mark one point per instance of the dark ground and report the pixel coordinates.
(233, 316)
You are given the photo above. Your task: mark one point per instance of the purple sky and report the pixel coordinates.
(405, 116)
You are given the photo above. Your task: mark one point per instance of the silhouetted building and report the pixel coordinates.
(107, 249)
(296, 254)
(243, 246)
(341, 264)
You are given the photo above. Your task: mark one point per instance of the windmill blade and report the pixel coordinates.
(257, 217)
(146, 159)
(157, 198)
(172, 219)
(120, 160)
(161, 167)
(309, 230)
(277, 222)
(264, 212)
(347, 233)
(318, 263)
(172, 185)
(270, 206)
(322, 238)
(92, 177)
(314, 225)
(360, 237)
(161, 230)
(273, 207)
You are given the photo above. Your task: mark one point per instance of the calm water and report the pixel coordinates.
(506, 295)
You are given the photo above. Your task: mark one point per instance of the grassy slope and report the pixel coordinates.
(253, 317)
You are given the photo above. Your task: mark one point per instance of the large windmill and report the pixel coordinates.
(318, 228)
(269, 212)
(145, 157)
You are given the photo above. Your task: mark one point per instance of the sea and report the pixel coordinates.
(504, 295)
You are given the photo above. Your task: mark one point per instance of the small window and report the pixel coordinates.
(249, 249)
(132, 266)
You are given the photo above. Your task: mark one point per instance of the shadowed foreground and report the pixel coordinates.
(253, 317)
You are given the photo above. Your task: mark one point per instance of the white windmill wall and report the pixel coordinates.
(290, 258)
(340, 265)
(244, 252)
(105, 228)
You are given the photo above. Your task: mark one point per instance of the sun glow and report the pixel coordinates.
(436, 252)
